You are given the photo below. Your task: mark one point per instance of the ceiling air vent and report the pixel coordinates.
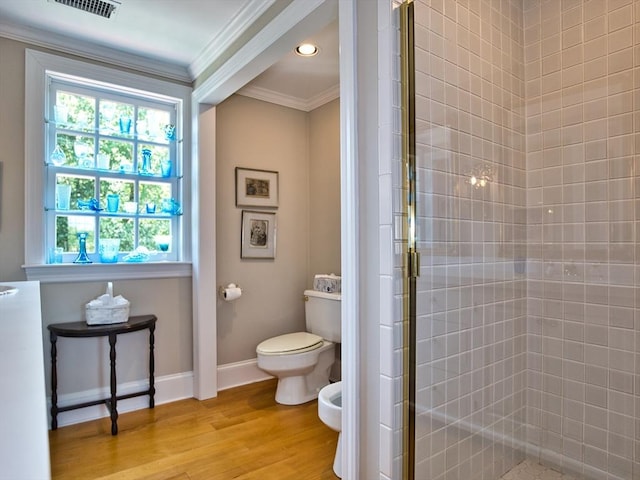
(102, 8)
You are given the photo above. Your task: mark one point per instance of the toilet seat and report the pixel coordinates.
(290, 343)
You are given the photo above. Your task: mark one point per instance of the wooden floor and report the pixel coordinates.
(242, 434)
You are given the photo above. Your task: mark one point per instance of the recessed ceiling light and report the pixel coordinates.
(306, 50)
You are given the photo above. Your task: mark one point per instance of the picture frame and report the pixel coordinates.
(258, 234)
(256, 188)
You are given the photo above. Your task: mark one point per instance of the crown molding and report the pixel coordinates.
(324, 97)
(289, 101)
(251, 11)
(64, 44)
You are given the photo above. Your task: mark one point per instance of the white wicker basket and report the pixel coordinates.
(107, 314)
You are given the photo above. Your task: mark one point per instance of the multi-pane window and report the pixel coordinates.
(112, 174)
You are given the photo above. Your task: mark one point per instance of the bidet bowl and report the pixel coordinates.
(330, 412)
(330, 406)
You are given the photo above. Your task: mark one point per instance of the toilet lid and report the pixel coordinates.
(290, 343)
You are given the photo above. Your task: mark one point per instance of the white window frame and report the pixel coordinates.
(38, 67)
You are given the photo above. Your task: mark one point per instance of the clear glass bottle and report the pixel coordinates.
(58, 157)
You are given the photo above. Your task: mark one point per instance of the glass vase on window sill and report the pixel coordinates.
(82, 257)
(58, 157)
(163, 242)
(145, 168)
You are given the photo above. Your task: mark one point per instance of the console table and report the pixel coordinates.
(82, 330)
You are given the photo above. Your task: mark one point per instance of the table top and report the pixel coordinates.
(81, 329)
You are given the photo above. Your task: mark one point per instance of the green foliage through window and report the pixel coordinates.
(102, 134)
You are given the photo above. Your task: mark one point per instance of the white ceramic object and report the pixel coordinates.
(300, 375)
(302, 361)
(323, 314)
(330, 412)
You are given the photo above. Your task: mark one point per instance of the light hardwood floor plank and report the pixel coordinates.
(242, 434)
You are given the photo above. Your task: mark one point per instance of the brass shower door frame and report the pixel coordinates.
(411, 259)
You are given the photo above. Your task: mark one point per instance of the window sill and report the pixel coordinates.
(68, 272)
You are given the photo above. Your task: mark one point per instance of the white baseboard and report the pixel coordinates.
(169, 388)
(240, 373)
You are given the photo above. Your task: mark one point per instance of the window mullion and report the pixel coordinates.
(96, 176)
(49, 207)
(49, 194)
(136, 185)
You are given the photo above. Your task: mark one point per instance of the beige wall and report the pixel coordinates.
(82, 362)
(324, 189)
(260, 135)
(12, 160)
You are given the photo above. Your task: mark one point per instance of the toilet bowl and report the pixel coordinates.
(302, 360)
(330, 412)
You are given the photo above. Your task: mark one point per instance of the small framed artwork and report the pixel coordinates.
(256, 188)
(258, 236)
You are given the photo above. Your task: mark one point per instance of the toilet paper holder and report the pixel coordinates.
(223, 288)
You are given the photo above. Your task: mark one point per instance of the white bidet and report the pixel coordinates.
(330, 412)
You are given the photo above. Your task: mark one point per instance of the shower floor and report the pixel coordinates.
(530, 470)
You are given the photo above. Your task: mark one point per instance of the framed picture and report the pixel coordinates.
(256, 188)
(258, 236)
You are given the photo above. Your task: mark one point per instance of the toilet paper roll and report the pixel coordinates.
(231, 293)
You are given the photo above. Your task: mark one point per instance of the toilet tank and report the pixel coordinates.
(323, 315)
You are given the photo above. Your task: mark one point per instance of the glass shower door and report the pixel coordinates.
(470, 296)
(522, 194)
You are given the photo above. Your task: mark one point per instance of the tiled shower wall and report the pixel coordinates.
(582, 97)
(471, 350)
(527, 295)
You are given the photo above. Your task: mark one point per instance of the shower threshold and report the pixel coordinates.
(530, 470)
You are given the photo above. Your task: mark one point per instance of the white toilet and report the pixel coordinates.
(330, 412)
(302, 361)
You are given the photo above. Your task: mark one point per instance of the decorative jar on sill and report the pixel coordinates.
(145, 169)
(82, 254)
(58, 157)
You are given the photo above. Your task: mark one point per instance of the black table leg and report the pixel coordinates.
(54, 381)
(114, 407)
(152, 388)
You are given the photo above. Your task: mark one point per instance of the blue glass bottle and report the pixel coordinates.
(145, 169)
(82, 254)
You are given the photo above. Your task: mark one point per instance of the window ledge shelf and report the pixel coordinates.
(69, 272)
